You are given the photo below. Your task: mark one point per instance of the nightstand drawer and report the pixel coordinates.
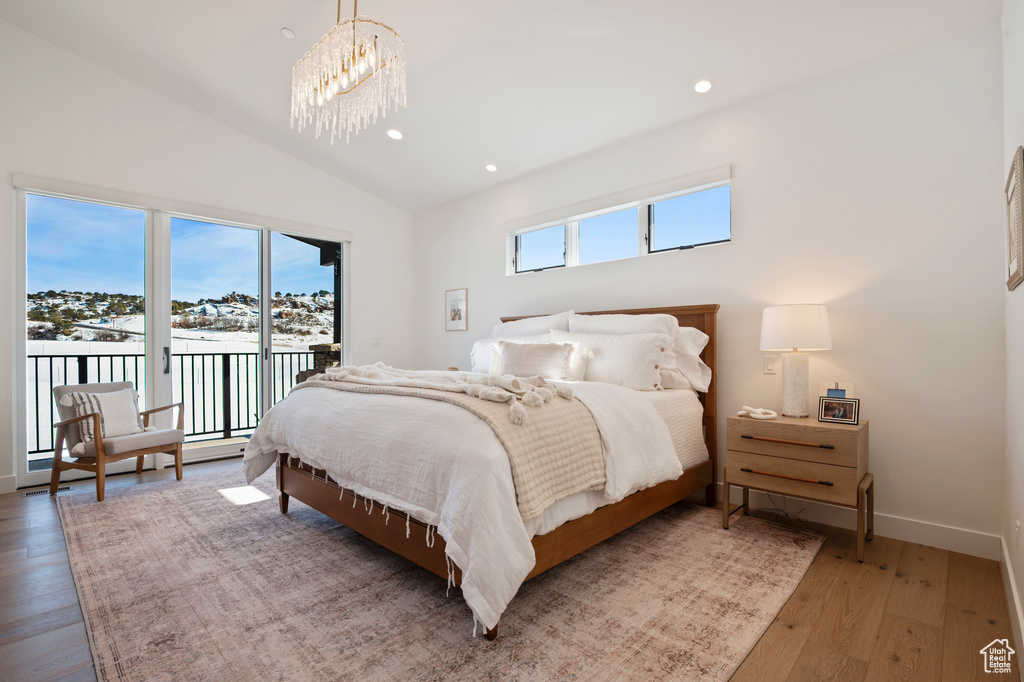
(843, 479)
(832, 444)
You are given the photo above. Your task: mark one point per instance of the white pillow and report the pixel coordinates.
(119, 412)
(631, 360)
(689, 342)
(578, 364)
(480, 356)
(686, 370)
(660, 323)
(484, 356)
(533, 325)
(549, 360)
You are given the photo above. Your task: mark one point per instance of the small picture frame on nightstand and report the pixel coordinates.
(839, 410)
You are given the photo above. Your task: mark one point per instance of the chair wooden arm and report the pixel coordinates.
(62, 427)
(181, 414)
(67, 422)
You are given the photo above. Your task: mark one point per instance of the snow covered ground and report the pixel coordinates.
(227, 325)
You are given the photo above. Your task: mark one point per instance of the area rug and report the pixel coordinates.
(178, 582)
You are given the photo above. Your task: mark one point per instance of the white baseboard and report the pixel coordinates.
(8, 484)
(950, 538)
(1013, 603)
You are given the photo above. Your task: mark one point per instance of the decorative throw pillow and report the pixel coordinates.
(118, 410)
(549, 360)
(486, 352)
(631, 360)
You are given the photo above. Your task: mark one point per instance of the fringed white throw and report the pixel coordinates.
(554, 453)
(532, 391)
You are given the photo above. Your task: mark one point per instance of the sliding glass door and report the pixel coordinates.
(305, 275)
(215, 330)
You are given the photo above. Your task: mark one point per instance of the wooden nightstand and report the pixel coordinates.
(801, 458)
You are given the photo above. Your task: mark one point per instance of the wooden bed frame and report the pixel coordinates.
(316, 489)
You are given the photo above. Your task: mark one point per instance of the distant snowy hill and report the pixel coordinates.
(298, 321)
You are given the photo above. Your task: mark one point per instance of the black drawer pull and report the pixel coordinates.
(791, 478)
(791, 442)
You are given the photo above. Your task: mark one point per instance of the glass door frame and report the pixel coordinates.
(196, 451)
(25, 477)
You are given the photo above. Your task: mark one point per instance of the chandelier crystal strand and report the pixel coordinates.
(355, 73)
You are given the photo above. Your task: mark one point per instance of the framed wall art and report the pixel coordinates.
(456, 311)
(1014, 222)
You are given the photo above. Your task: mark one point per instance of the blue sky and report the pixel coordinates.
(84, 247)
(79, 246)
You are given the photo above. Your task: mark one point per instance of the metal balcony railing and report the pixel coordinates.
(219, 390)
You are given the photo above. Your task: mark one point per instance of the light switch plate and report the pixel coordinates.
(771, 363)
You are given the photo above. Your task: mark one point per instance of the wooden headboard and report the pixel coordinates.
(702, 317)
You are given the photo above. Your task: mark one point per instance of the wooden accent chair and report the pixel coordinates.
(96, 454)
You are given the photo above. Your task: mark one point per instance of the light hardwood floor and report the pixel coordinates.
(908, 612)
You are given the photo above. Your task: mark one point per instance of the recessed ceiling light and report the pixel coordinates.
(702, 86)
(288, 33)
(395, 134)
(491, 167)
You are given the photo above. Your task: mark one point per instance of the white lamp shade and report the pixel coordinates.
(802, 327)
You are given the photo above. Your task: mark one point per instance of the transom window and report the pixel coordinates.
(541, 249)
(609, 236)
(696, 217)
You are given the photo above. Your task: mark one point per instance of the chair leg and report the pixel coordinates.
(101, 477)
(177, 462)
(139, 461)
(58, 460)
(55, 474)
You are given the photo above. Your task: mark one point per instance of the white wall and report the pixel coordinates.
(876, 191)
(66, 119)
(1013, 122)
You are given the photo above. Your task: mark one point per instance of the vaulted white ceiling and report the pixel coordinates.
(522, 84)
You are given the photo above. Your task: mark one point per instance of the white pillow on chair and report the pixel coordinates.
(118, 410)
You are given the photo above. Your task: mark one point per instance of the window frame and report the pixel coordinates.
(649, 232)
(517, 245)
(644, 229)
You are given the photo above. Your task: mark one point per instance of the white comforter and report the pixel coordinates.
(443, 465)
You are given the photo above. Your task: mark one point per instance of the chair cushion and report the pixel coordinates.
(118, 410)
(136, 441)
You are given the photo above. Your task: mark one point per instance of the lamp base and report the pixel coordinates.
(795, 384)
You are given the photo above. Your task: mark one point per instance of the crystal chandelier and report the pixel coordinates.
(355, 72)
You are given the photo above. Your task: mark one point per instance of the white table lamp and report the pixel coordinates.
(795, 329)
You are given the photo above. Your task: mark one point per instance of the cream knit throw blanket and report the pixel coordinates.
(554, 452)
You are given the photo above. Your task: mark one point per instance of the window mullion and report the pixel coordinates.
(572, 243)
(643, 229)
